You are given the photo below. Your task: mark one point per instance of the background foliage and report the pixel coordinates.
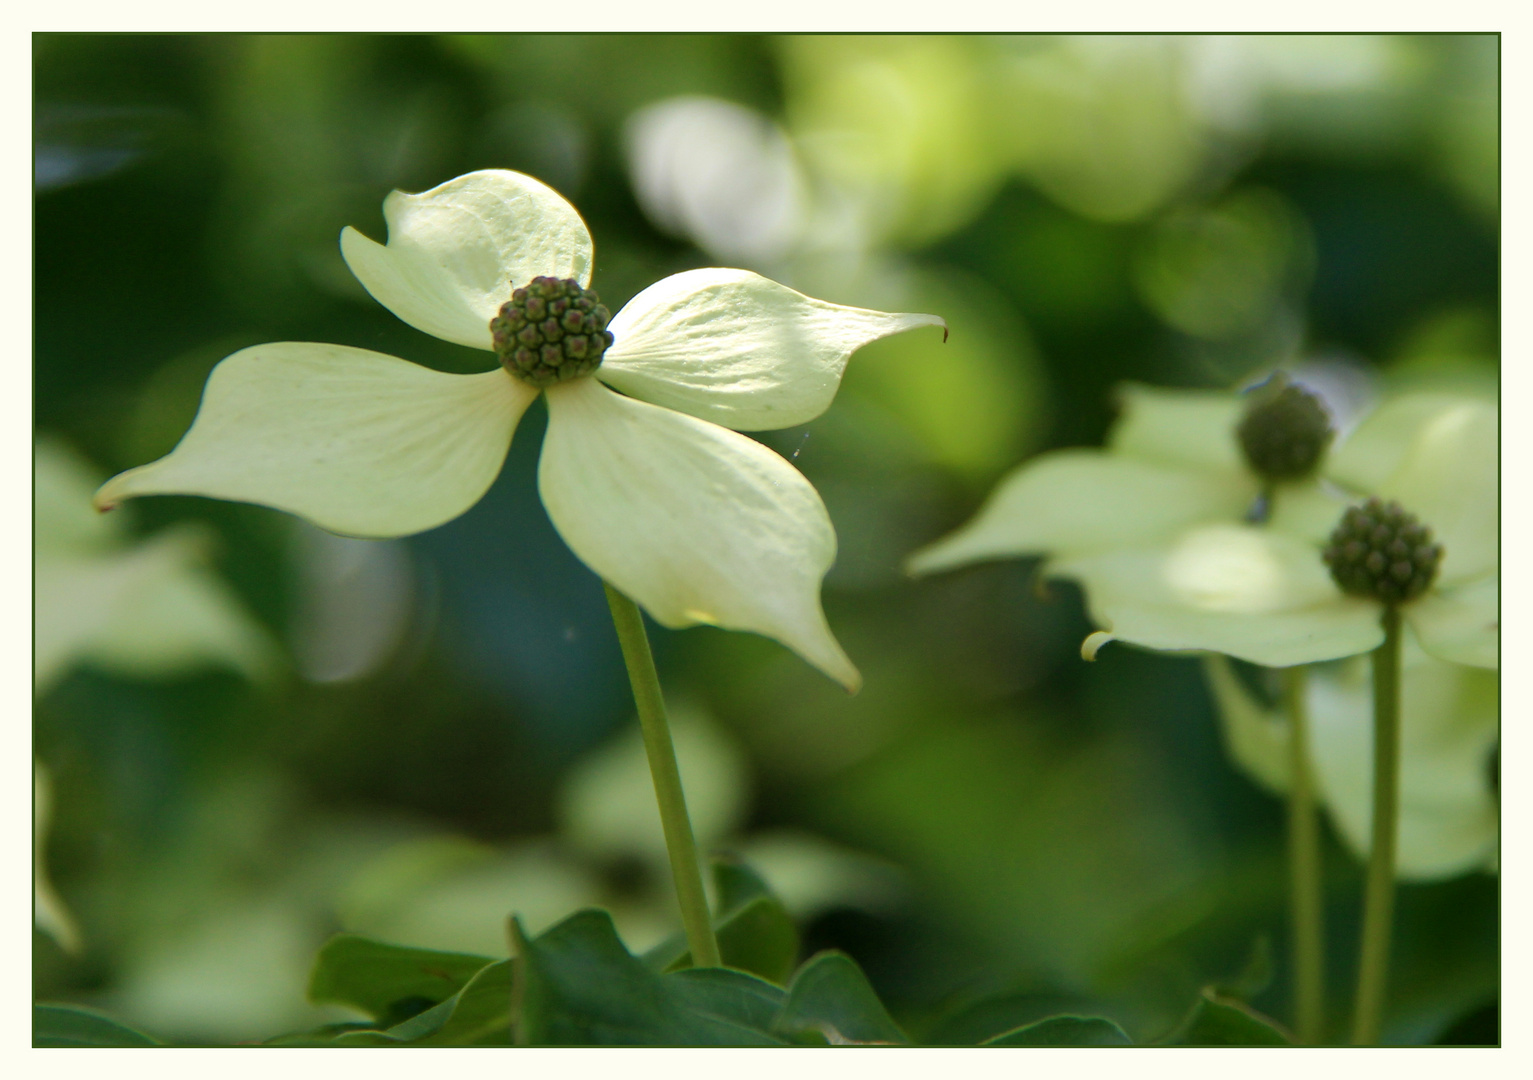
(448, 735)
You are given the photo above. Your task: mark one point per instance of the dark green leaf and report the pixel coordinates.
(831, 997)
(391, 983)
(1065, 1031)
(760, 938)
(576, 985)
(755, 932)
(324, 1035)
(729, 994)
(72, 1025)
(1480, 1027)
(978, 1021)
(1216, 1020)
(477, 1015)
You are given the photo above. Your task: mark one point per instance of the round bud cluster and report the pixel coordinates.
(551, 330)
(1380, 551)
(1285, 433)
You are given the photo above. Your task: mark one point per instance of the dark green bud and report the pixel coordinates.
(1285, 432)
(551, 330)
(1382, 552)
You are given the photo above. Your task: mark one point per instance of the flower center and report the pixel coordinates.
(1382, 552)
(551, 330)
(1285, 432)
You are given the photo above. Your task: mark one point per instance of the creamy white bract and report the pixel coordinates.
(653, 488)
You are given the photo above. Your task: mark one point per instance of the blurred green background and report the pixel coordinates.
(410, 738)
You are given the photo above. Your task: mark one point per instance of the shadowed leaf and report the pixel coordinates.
(391, 983)
(755, 932)
(1065, 1031)
(576, 985)
(1216, 1020)
(71, 1025)
(830, 997)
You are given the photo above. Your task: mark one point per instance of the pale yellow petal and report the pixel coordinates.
(1448, 725)
(1307, 510)
(357, 442)
(1087, 500)
(48, 911)
(152, 611)
(1372, 453)
(1461, 624)
(180, 623)
(1244, 591)
(740, 350)
(1255, 737)
(63, 520)
(454, 253)
(1449, 477)
(1188, 428)
(696, 523)
(77, 597)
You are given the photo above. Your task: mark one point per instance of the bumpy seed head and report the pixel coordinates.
(551, 330)
(1285, 432)
(1380, 551)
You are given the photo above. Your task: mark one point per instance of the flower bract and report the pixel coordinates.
(1449, 725)
(643, 470)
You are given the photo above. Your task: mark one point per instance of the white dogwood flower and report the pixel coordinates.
(1265, 595)
(651, 486)
(1154, 528)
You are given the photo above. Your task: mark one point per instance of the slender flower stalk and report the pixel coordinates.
(679, 842)
(1306, 883)
(1379, 895)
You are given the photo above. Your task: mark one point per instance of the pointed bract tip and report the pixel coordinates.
(1093, 644)
(108, 496)
(931, 559)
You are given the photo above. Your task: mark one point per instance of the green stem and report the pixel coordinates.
(1306, 892)
(685, 869)
(1379, 894)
